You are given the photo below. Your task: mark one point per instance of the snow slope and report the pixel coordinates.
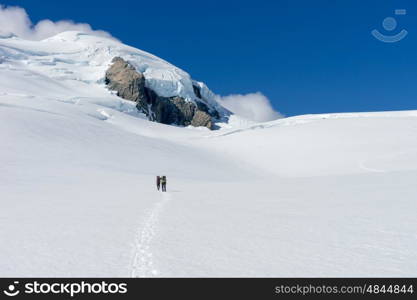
(314, 195)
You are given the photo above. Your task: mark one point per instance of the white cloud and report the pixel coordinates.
(253, 106)
(15, 20)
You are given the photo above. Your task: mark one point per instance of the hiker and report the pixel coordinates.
(158, 182)
(164, 183)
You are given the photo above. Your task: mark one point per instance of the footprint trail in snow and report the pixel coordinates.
(143, 262)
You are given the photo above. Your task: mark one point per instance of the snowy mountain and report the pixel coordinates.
(75, 63)
(312, 195)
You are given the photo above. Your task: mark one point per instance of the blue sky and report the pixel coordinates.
(305, 56)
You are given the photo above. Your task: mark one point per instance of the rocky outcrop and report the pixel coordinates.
(130, 85)
(123, 78)
(202, 118)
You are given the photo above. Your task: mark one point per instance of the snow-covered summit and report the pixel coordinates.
(73, 57)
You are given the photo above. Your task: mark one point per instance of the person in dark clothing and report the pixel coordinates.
(164, 183)
(158, 182)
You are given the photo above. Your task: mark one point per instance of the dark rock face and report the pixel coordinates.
(130, 85)
(202, 118)
(124, 79)
(197, 91)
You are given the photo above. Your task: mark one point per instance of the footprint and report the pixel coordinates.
(143, 262)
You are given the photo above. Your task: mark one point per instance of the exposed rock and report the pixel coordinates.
(202, 118)
(176, 110)
(197, 91)
(130, 85)
(186, 108)
(165, 110)
(202, 106)
(123, 78)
